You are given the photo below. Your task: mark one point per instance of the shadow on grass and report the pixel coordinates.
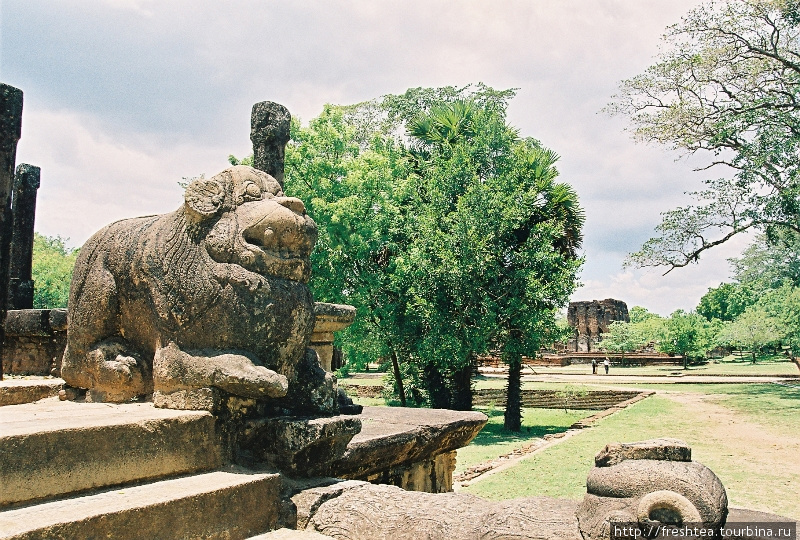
(494, 432)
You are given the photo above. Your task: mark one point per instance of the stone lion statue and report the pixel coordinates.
(648, 484)
(212, 296)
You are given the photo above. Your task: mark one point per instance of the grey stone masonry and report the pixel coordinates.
(23, 207)
(35, 341)
(10, 133)
(269, 131)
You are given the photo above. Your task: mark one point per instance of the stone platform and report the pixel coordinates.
(410, 448)
(14, 391)
(86, 470)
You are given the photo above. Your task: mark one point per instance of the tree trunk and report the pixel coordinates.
(462, 386)
(685, 361)
(438, 393)
(398, 379)
(754, 355)
(512, 418)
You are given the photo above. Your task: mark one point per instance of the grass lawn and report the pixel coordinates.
(494, 441)
(749, 435)
(500, 382)
(363, 381)
(730, 365)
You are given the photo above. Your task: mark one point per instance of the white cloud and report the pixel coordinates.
(681, 288)
(91, 177)
(125, 97)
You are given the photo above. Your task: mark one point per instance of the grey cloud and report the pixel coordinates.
(144, 92)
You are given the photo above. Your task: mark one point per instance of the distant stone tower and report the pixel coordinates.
(591, 318)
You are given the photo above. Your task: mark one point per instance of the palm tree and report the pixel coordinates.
(558, 205)
(443, 125)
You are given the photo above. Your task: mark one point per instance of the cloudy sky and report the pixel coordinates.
(123, 98)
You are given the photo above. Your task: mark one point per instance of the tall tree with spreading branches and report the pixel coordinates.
(727, 85)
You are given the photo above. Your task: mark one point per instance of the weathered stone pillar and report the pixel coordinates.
(20, 287)
(269, 131)
(329, 318)
(10, 132)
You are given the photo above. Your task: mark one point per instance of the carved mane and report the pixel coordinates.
(180, 270)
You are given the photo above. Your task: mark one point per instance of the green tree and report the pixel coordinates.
(752, 330)
(486, 195)
(727, 86)
(444, 124)
(649, 326)
(450, 242)
(52, 268)
(781, 306)
(622, 337)
(725, 302)
(639, 314)
(769, 262)
(355, 189)
(685, 334)
(533, 270)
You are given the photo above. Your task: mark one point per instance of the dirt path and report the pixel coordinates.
(740, 435)
(761, 450)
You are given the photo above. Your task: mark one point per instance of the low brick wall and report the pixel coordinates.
(362, 390)
(542, 399)
(35, 341)
(555, 399)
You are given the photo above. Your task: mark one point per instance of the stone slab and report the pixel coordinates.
(658, 449)
(366, 512)
(55, 447)
(392, 436)
(19, 391)
(295, 445)
(215, 505)
(291, 534)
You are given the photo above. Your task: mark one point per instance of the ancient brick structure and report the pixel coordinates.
(35, 341)
(23, 209)
(591, 318)
(269, 132)
(10, 132)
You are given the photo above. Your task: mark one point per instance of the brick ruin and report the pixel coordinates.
(590, 318)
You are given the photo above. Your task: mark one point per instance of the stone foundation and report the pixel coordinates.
(36, 338)
(541, 399)
(35, 341)
(433, 475)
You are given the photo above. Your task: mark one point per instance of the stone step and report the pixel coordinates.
(291, 534)
(51, 447)
(233, 504)
(16, 391)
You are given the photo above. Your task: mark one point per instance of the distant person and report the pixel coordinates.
(594, 366)
(606, 364)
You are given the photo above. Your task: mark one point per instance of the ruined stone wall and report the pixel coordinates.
(592, 318)
(35, 341)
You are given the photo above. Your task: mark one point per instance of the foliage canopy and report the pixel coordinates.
(727, 86)
(447, 230)
(52, 271)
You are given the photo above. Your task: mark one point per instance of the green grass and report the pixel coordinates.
(369, 401)
(494, 441)
(753, 477)
(482, 382)
(730, 365)
(372, 381)
(770, 405)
